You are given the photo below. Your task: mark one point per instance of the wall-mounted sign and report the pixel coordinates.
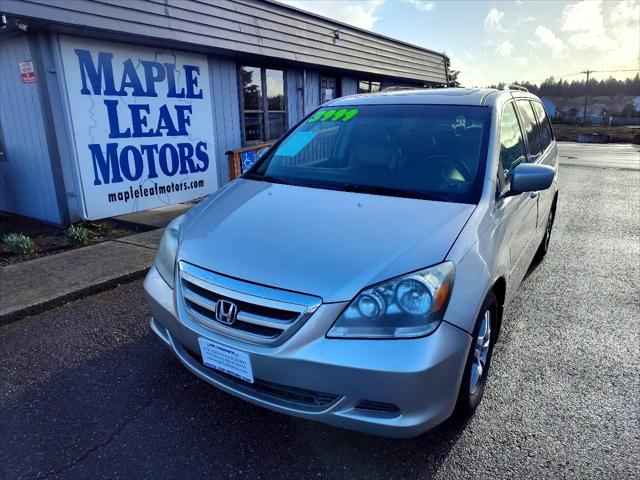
(142, 125)
(27, 73)
(247, 159)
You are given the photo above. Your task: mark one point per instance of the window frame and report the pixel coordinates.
(337, 87)
(530, 157)
(553, 136)
(503, 183)
(264, 126)
(370, 83)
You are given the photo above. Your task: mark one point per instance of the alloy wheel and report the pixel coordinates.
(547, 237)
(480, 354)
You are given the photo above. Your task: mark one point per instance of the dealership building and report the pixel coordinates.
(114, 106)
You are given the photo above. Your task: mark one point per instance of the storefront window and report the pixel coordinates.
(263, 104)
(275, 100)
(367, 86)
(328, 89)
(252, 101)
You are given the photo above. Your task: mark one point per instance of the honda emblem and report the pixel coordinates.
(226, 312)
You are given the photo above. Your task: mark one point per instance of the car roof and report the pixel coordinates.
(431, 96)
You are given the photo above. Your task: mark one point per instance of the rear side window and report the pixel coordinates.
(530, 127)
(545, 127)
(512, 151)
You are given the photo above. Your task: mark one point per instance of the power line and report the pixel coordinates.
(582, 73)
(557, 76)
(615, 71)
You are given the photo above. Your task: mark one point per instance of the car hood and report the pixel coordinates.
(321, 242)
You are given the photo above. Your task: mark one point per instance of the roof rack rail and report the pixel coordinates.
(514, 86)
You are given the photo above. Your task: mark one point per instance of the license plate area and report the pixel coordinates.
(226, 359)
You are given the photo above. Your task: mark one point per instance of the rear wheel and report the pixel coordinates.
(479, 358)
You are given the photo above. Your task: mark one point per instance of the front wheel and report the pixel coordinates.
(544, 245)
(479, 358)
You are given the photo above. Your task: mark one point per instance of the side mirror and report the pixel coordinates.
(530, 177)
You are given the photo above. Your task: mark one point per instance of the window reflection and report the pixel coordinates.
(275, 89)
(252, 88)
(264, 103)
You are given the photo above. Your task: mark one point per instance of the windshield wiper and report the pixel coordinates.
(266, 178)
(390, 191)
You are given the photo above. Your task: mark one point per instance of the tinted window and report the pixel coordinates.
(418, 151)
(512, 151)
(530, 127)
(543, 122)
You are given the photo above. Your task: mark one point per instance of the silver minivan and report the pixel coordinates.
(358, 273)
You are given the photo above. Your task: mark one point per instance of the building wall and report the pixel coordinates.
(255, 27)
(226, 111)
(311, 90)
(293, 94)
(26, 178)
(349, 86)
(40, 177)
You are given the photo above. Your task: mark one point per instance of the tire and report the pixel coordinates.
(544, 245)
(472, 388)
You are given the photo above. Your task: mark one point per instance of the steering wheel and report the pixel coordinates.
(452, 162)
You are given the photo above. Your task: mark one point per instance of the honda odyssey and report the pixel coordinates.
(358, 273)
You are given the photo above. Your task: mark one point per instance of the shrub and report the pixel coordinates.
(19, 243)
(77, 235)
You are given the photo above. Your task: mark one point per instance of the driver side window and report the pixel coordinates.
(512, 150)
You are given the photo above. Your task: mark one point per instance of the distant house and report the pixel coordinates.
(549, 106)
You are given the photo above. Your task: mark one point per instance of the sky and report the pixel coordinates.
(505, 41)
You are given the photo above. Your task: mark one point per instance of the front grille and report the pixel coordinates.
(264, 315)
(299, 396)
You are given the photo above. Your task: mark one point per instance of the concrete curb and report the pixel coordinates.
(34, 286)
(99, 287)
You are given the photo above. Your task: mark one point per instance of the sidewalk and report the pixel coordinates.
(36, 285)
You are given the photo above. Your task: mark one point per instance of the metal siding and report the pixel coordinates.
(294, 108)
(245, 26)
(226, 112)
(349, 86)
(26, 178)
(311, 90)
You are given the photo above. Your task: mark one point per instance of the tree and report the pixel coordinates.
(453, 78)
(578, 88)
(452, 75)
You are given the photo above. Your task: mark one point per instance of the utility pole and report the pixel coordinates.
(586, 86)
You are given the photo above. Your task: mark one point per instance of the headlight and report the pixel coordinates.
(405, 307)
(166, 257)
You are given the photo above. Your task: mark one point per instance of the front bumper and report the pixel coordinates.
(322, 379)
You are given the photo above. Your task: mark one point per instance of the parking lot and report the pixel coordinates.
(87, 391)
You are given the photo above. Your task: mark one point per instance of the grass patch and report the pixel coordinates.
(77, 235)
(19, 243)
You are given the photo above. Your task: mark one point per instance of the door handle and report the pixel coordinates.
(533, 194)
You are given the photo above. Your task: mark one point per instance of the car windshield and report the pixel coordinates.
(433, 152)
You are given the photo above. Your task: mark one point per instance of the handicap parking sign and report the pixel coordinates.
(247, 159)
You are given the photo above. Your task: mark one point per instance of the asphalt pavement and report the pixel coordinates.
(611, 155)
(87, 391)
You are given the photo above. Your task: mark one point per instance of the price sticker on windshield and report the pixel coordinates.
(333, 115)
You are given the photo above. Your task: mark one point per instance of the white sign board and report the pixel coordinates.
(142, 125)
(27, 73)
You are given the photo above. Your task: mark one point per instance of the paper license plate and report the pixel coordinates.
(226, 360)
